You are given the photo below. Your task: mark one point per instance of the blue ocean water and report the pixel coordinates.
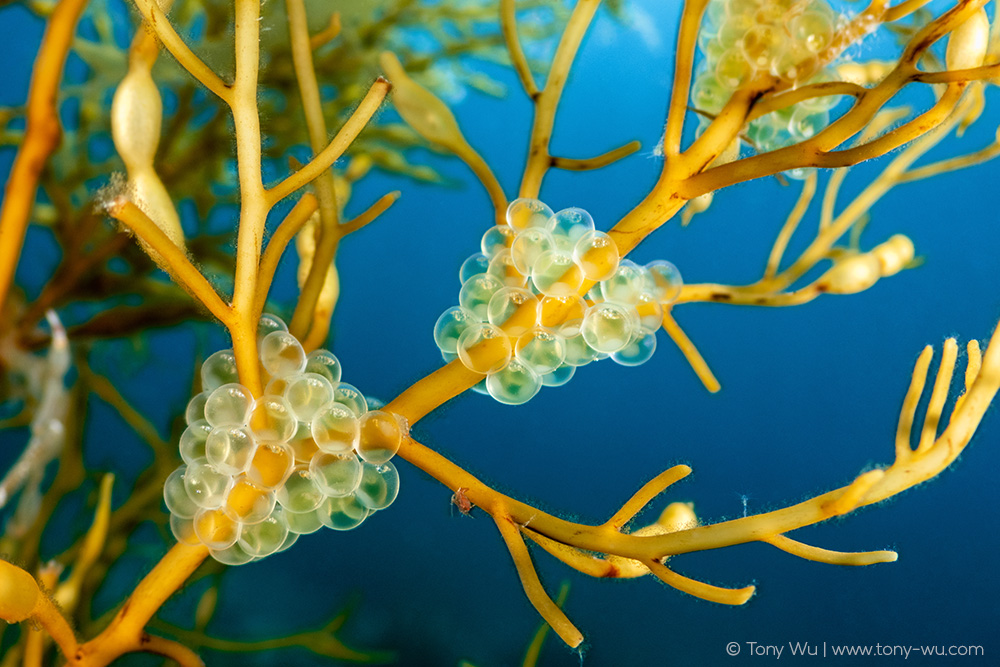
(810, 399)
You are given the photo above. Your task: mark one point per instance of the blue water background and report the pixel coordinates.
(810, 399)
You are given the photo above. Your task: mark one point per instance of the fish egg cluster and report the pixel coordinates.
(521, 321)
(745, 38)
(259, 472)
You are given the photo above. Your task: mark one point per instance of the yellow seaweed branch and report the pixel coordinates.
(570, 541)
(41, 136)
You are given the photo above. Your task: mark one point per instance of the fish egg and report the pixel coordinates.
(379, 486)
(307, 393)
(336, 475)
(325, 363)
(230, 449)
(450, 326)
(348, 395)
(281, 354)
(484, 348)
(300, 493)
(215, 529)
(556, 274)
(514, 309)
(335, 429)
(525, 213)
(608, 327)
(219, 369)
(176, 496)
(515, 384)
(597, 255)
(248, 503)
(380, 436)
(264, 538)
(345, 513)
(229, 405)
(272, 420)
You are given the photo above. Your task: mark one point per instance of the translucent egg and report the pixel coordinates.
(760, 44)
(230, 449)
(450, 326)
(264, 538)
(713, 48)
(381, 436)
(192, 443)
(638, 351)
(247, 502)
(176, 495)
(233, 555)
(794, 62)
(525, 213)
(740, 8)
(335, 429)
(195, 410)
(496, 238)
(269, 323)
(206, 486)
(568, 226)
(515, 384)
(556, 274)
(528, 246)
(307, 393)
(625, 285)
(271, 465)
(554, 311)
(715, 12)
(336, 475)
(300, 492)
(763, 132)
(219, 369)
(302, 523)
(559, 376)
(473, 264)
(348, 395)
(344, 513)
(514, 309)
(292, 537)
(597, 255)
(708, 94)
(708, 31)
(578, 352)
(608, 327)
(476, 294)
(281, 354)
(302, 444)
(733, 29)
(183, 530)
(502, 268)
(215, 529)
(814, 30)
(732, 68)
(379, 486)
(805, 123)
(277, 386)
(271, 420)
(484, 348)
(650, 313)
(229, 405)
(325, 363)
(541, 350)
(663, 281)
